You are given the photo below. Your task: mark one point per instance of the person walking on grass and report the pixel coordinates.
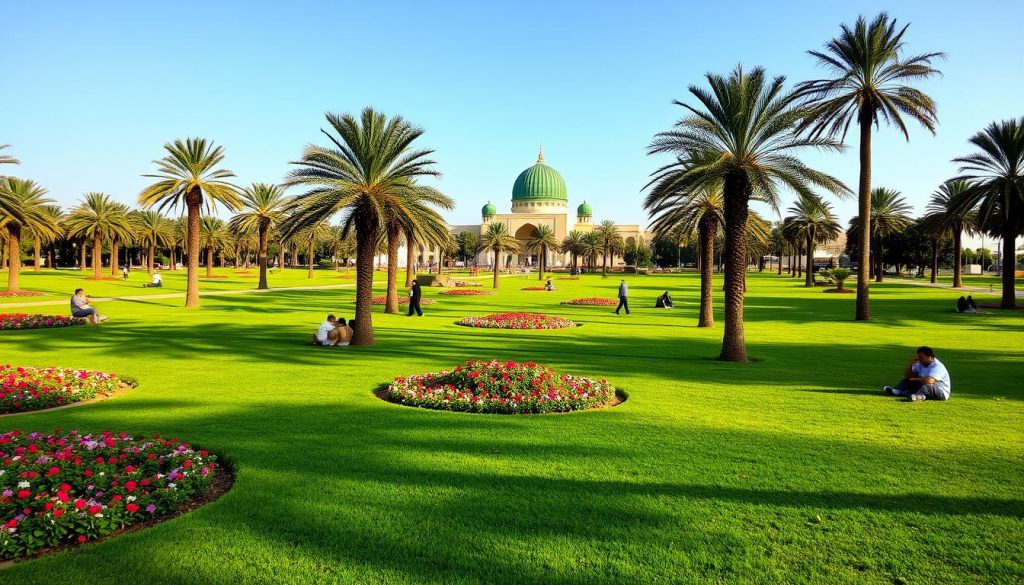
(415, 294)
(925, 378)
(623, 297)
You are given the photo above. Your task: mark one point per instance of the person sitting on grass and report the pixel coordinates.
(327, 333)
(971, 305)
(548, 286)
(925, 378)
(664, 301)
(344, 332)
(157, 282)
(81, 309)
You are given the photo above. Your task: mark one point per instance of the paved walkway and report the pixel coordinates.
(995, 290)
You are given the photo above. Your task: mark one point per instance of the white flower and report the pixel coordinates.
(130, 499)
(24, 484)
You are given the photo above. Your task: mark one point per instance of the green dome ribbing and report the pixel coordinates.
(584, 209)
(539, 182)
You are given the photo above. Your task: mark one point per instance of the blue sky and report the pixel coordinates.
(90, 91)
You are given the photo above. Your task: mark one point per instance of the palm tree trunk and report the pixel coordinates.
(174, 265)
(799, 261)
(262, 259)
(737, 196)
(295, 257)
(496, 268)
(1009, 265)
(393, 233)
(280, 256)
(782, 252)
(958, 252)
(366, 244)
(935, 260)
(541, 258)
(37, 252)
(410, 259)
(97, 258)
(114, 260)
(809, 277)
(707, 229)
(209, 261)
(193, 200)
(309, 259)
(604, 263)
(14, 245)
(864, 211)
(81, 249)
(150, 258)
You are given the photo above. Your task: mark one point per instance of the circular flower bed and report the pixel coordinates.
(592, 301)
(402, 300)
(6, 294)
(533, 288)
(517, 321)
(26, 321)
(68, 488)
(467, 283)
(465, 292)
(24, 389)
(500, 388)
(568, 278)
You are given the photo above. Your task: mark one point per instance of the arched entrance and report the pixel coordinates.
(523, 235)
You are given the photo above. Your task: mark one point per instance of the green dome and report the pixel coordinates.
(489, 210)
(539, 182)
(584, 209)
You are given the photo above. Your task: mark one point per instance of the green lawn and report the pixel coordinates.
(793, 468)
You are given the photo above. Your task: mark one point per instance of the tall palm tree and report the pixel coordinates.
(812, 219)
(890, 213)
(572, 244)
(152, 231)
(214, 236)
(309, 238)
(869, 84)
(681, 212)
(370, 167)
(498, 241)
(99, 218)
(120, 236)
(742, 135)
(779, 245)
(415, 213)
(189, 174)
(611, 243)
(263, 207)
(590, 248)
(26, 213)
(542, 240)
(996, 173)
(6, 159)
(948, 219)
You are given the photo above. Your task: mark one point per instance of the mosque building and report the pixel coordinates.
(539, 197)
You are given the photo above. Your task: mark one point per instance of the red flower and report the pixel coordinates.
(82, 538)
(132, 508)
(95, 510)
(130, 485)
(58, 512)
(80, 503)
(53, 470)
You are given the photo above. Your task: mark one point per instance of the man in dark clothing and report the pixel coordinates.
(414, 299)
(623, 298)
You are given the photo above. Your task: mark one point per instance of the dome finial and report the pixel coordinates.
(540, 154)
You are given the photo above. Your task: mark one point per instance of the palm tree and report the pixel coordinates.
(152, 231)
(542, 240)
(415, 213)
(949, 220)
(47, 236)
(996, 173)
(27, 212)
(611, 243)
(179, 239)
(370, 168)
(868, 86)
(309, 238)
(263, 206)
(99, 218)
(572, 243)
(779, 245)
(685, 213)
(498, 241)
(591, 248)
(189, 175)
(743, 136)
(214, 236)
(890, 213)
(119, 236)
(6, 159)
(812, 219)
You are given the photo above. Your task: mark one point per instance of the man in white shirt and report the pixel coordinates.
(327, 333)
(158, 281)
(925, 378)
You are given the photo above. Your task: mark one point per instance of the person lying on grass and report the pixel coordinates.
(81, 309)
(925, 378)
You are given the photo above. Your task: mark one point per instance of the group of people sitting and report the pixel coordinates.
(967, 305)
(664, 301)
(334, 331)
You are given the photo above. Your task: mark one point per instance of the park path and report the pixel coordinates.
(994, 290)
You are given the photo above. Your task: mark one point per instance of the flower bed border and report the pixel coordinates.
(65, 321)
(122, 388)
(402, 300)
(6, 294)
(466, 292)
(571, 324)
(604, 302)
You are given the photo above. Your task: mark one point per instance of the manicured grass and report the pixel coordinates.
(793, 468)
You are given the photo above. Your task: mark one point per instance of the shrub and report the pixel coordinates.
(24, 389)
(26, 321)
(501, 388)
(517, 321)
(836, 276)
(68, 488)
